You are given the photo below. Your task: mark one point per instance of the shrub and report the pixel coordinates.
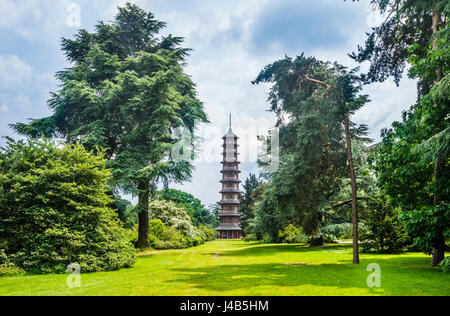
(3, 257)
(208, 233)
(445, 265)
(386, 233)
(55, 209)
(9, 269)
(157, 229)
(292, 235)
(329, 238)
(343, 231)
(250, 237)
(173, 217)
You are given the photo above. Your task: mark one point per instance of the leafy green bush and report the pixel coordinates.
(386, 233)
(9, 269)
(329, 238)
(445, 265)
(157, 229)
(54, 209)
(250, 237)
(162, 237)
(208, 234)
(292, 235)
(173, 217)
(343, 231)
(3, 257)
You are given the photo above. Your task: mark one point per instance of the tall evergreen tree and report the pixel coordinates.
(125, 91)
(318, 98)
(247, 201)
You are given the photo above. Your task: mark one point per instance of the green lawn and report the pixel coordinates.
(239, 268)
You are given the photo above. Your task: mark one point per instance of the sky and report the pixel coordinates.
(231, 41)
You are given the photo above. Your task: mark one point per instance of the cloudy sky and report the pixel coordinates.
(231, 41)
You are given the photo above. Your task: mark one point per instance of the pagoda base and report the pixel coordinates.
(230, 234)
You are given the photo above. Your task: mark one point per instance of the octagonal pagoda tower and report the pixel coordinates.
(230, 216)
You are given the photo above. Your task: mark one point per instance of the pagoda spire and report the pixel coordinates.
(230, 120)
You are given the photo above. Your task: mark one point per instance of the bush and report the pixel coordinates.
(55, 210)
(208, 233)
(386, 233)
(445, 265)
(329, 238)
(9, 269)
(292, 235)
(343, 231)
(250, 237)
(3, 257)
(173, 217)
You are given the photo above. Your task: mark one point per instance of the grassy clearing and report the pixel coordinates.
(239, 268)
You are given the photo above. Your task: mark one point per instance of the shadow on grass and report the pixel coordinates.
(401, 275)
(235, 277)
(254, 249)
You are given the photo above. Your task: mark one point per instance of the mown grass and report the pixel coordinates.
(229, 268)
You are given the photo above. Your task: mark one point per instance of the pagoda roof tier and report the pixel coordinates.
(230, 180)
(230, 171)
(227, 228)
(234, 214)
(230, 135)
(231, 191)
(229, 202)
(234, 161)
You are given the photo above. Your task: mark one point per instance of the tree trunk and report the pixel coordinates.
(144, 192)
(436, 24)
(438, 251)
(354, 191)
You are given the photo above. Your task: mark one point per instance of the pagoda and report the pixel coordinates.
(230, 216)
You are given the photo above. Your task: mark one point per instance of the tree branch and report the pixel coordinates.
(317, 81)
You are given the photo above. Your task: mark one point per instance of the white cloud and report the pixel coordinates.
(35, 20)
(4, 108)
(13, 71)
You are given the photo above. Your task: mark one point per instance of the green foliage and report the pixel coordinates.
(55, 209)
(408, 25)
(386, 233)
(170, 227)
(247, 200)
(329, 238)
(157, 229)
(251, 237)
(292, 235)
(412, 161)
(198, 213)
(341, 231)
(269, 218)
(317, 97)
(445, 265)
(126, 91)
(428, 225)
(10, 269)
